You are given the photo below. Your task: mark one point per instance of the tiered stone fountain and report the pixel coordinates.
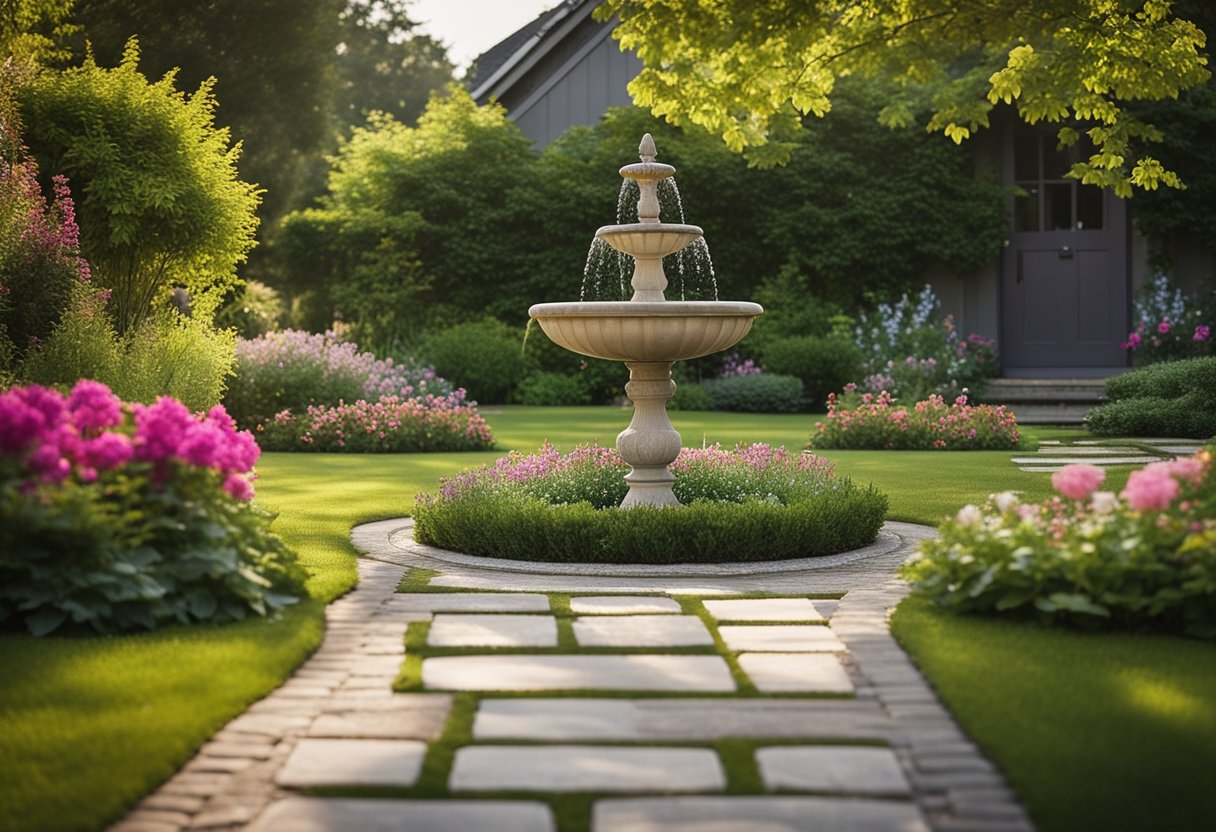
(648, 332)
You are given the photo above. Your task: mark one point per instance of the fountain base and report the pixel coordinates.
(651, 442)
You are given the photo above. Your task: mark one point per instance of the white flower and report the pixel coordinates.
(1104, 502)
(1005, 500)
(968, 515)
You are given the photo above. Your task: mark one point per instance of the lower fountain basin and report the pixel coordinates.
(646, 331)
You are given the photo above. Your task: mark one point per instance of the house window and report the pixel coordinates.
(1045, 200)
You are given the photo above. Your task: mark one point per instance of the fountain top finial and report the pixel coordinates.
(646, 150)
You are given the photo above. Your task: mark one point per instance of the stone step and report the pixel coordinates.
(1051, 401)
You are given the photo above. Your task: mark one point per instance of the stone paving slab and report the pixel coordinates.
(796, 672)
(782, 638)
(1099, 460)
(396, 716)
(755, 814)
(472, 630)
(764, 609)
(642, 631)
(581, 768)
(352, 762)
(547, 672)
(573, 719)
(349, 814)
(623, 605)
(468, 602)
(832, 768)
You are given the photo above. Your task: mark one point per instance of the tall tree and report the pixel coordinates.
(34, 30)
(746, 71)
(273, 61)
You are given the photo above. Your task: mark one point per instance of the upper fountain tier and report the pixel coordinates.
(648, 240)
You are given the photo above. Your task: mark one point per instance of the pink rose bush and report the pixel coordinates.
(127, 515)
(1171, 325)
(870, 421)
(1145, 556)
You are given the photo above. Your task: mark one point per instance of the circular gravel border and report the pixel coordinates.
(402, 537)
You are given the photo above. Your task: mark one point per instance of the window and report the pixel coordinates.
(1045, 200)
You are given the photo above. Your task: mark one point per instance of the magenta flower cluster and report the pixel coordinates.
(1170, 325)
(388, 425)
(868, 421)
(47, 438)
(736, 365)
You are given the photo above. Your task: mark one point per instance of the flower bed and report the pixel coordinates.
(868, 421)
(1146, 556)
(123, 516)
(390, 425)
(754, 503)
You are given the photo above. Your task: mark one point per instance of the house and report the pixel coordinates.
(1059, 296)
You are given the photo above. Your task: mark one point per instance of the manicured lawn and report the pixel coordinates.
(1094, 731)
(91, 724)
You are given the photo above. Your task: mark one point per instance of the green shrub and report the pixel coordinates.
(603, 380)
(254, 310)
(82, 345)
(756, 393)
(553, 389)
(755, 503)
(483, 357)
(690, 395)
(824, 364)
(1171, 399)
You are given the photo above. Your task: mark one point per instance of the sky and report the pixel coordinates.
(470, 27)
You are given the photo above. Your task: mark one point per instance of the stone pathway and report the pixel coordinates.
(651, 698)
(1053, 455)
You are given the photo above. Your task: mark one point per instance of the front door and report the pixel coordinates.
(1065, 302)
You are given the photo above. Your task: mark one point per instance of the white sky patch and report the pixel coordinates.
(470, 27)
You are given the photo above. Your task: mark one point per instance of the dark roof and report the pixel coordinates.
(488, 62)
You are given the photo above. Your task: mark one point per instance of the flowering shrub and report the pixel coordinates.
(752, 503)
(868, 421)
(1171, 326)
(736, 365)
(1147, 555)
(389, 425)
(910, 350)
(119, 516)
(290, 370)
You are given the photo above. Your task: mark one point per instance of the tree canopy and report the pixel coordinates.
(749, 71)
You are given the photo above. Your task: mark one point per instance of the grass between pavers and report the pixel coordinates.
(1105, 731)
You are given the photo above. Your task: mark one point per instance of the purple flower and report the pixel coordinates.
(107, 451)
(1202, 332)
(93, 406)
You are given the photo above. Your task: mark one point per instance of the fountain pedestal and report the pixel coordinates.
(651, 442)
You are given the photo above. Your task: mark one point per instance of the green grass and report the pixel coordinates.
(1094, 730)
(91, 724)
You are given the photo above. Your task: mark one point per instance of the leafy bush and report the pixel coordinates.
(254, 310)
(752, 504)
(1146, 557)
(1170, 326)
(690, 396)
(603, 380)
(124, 516)
(755, 393)
(553, 389)
(1177, 398)
(291, 370)
(486, 356)
(390, 425)
(911, 351)
(866, 421)
(824, 364)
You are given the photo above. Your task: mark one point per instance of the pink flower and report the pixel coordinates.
(1188, 468)
(1077, 481)
(1163, 327)
(93, 406)
(1151, 489)
(1133, 340)
(239, 487)
(106, 451)
(1202, 332)
(160, 428)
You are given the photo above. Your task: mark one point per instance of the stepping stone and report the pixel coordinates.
(1100, 460)
(345, 814)
(796, 672)
(642, 631)
(548, 672)
(764, 609)
(574, 719)
(778, 638)
(468, 602)
(414, 716)
(1180, 450)
(755, 814)
(456, 630)
(832, 768)
(622, 605)
(582, 768)
(346, 762)
(1092, 450)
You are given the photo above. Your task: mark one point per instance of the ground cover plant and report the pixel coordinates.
(1176, 398)
(864, 420)
(1146, 557)
(753, 503)
(119, 516)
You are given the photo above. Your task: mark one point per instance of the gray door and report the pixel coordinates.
(1065, 303)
